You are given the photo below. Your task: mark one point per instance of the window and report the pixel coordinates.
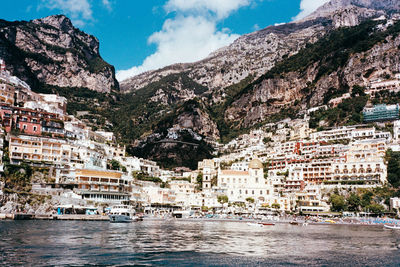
(34, 128)
(252, 192)
(256, 180)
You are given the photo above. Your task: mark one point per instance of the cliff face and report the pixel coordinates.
(52, 51)
(256, 53)
(276, 72)
(300, 90)
(367, 50)
(251, 54)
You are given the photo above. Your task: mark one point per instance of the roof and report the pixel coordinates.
(256, 164)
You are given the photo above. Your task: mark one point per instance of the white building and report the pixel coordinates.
(239, 185)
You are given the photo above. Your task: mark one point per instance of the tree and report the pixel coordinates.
(114, 165)
(250, 200)
(375, 208)
(366, 198)
(223, 199)
(199, 181)
(393, 167)
(338, 202)
(267, 140)
(276, 206)
(214, 181)
(357, 91)
(204, 208)
(353, 202)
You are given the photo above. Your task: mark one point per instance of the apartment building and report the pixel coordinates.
(30, 121)
(7, 92)
(102, 186)
(381, 112)
(184, 191)
(36, 149)
(239, 185)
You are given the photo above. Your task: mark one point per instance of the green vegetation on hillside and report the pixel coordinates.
(334, 50)
(393, 168)
(349, 112)
(330, 52)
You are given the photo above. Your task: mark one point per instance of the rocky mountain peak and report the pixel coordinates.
(51, 51)
(61, 22)
(361, 8)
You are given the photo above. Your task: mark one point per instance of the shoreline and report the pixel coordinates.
(83, 217)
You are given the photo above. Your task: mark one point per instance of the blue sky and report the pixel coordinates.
(137, 36)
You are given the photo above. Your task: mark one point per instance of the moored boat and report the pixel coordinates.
(254, 224)
(122, 213)
(395, 227)
(266, 223)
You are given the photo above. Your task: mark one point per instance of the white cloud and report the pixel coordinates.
(190, 36)
(107, 4)
(309, 6)
(221, 8)
(80, 11)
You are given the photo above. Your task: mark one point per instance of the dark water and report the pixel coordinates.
(179, 243)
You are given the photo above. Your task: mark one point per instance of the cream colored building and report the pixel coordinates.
(102, 186)
(36, 149)
(239, 185)
(184, 192)
(209, 168)
(7, 93)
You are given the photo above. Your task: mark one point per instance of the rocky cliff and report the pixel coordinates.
(256, 53)
(341, 60)
(51, 51)
(276, 72)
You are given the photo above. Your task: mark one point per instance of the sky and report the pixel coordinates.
(141, 35)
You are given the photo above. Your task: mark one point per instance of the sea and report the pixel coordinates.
(194, 243)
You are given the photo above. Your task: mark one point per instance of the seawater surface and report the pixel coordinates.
(194, 243)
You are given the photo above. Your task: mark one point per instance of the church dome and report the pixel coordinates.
(256, 164)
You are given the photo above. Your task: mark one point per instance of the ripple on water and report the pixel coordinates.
(194, 243)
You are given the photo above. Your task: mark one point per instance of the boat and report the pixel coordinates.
(122, 213)
(185, 214)
(294, 223)
(255, 224)
(266, 223)
(394, 227)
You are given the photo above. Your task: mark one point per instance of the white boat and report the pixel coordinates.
(255, 224)
(395, 227)
(122, 213)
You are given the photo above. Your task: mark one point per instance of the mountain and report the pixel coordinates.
(173, 115)
(263, 76)
(52, 52)
(255, 53)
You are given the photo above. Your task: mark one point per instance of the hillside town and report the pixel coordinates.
(281, 167)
